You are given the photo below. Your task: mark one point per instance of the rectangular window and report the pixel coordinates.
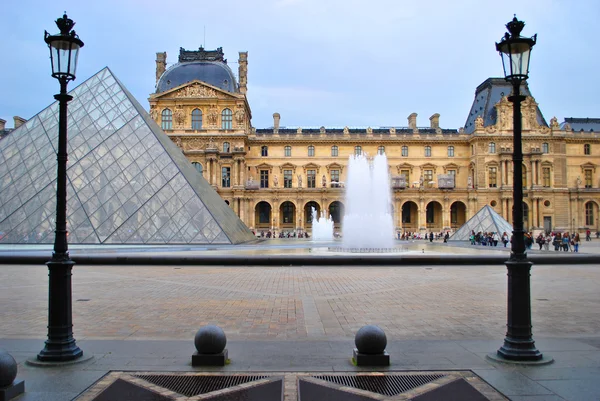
(404, 151)
(587, 149)
(334, 151)
(287, 178)
(406, 174)
(335, 176)
(264, 178)
(226, 177)
(546, 177)
(311, 151)
(288, 151)
(545, 148)
(452, 172)
(311, 178)
(588, 178)
(450, 151)
(427, 151)
(492, 177)
(428, 178)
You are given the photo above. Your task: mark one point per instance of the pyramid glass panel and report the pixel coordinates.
(485, 220)
(127, 182)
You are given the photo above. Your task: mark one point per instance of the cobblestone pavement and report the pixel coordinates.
(408, 302)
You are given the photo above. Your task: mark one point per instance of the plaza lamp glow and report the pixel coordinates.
(518, 346)
(60, 345)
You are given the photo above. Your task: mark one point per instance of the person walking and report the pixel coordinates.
(588, 235)
(540, 240)
(576, 242)
(505, 238)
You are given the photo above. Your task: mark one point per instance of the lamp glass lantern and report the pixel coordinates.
(515, 51)
(64, 49)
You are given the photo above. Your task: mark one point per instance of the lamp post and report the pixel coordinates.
(518, 343)
(60, 345)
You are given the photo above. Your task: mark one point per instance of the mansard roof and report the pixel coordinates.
(487, 95)
(582, 124)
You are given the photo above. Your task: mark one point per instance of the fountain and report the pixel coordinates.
(368, 222)
(322, 228)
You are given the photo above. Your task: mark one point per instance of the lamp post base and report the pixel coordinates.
(519, 350)
(496, 357)
(60, 345)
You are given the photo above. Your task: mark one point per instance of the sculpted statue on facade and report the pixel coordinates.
(324, 181)
(179, 116)
(212, 116)
(275, 181)
(369, 130)
(479, 122)
(299, 181)
(240, 116)
(195, 90)
(153, 112)
(554, 123)
(346, 130)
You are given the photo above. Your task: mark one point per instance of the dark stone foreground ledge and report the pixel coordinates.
(85, 258)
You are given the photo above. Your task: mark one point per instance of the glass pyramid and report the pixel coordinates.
(485, 220)
(127, 182)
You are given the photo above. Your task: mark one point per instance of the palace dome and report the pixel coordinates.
(215, 73)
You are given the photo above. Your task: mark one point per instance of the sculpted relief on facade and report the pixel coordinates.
(195, 90)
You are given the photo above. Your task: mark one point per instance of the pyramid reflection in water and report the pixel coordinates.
(127, 182)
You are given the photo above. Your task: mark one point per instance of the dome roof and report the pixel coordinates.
(215, 73)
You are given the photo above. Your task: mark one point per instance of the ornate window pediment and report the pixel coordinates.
(429, 166)
(451, 166)
(264, 166)
(588, 166)
(334, 166)
(287, 166)
(404, 166)
(311, 166)
(547, 163)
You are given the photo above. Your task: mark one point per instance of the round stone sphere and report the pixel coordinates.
(370, 340)
(210, 340)
(8, 369)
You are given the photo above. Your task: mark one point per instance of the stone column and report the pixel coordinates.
(534, 213)
(422, 221)
(532, 174)
(538, 169)
(501, 173)
(234, 173)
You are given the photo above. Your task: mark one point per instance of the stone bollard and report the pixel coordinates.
(210, 342)
(10, 387)
(370, 347)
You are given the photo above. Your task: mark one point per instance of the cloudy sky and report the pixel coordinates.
(317, 62)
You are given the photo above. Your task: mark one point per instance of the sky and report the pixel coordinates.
(330, 63)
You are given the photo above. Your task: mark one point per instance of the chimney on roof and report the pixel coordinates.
(161, 64)
(412, 121)
(19, 121)
(243, 72)
(434, 120)
(2, 124)
(276, 118)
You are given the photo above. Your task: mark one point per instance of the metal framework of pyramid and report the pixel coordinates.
(485, 220)
(127, 182)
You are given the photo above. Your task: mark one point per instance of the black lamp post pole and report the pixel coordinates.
(518, 343)
(60, 345)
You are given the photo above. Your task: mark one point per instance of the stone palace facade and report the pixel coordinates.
(272, 177)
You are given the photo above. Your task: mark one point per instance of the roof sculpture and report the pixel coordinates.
(127, 182)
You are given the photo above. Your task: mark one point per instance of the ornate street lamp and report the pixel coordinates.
(60, 345)
(518, 345)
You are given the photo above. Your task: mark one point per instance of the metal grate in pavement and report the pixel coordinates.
(389, 385)
(194, 385)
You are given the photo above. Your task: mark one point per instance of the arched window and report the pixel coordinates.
(334, 151)
(226, 119)
(358, 150)
(196, 119)
(450, 151)
(545, 147)
(264, 151)
(492, 147)
(311, 150)
(404, 151)
(287, 151)
(226, 147)
(167, 119)
(427, 151)
(587, 149)
(380, 150)
(197, 166)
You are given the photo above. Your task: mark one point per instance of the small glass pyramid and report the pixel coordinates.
(485, 220)
(127, 182)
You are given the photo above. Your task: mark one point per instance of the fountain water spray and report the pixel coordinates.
(322, 228)
(368, 221)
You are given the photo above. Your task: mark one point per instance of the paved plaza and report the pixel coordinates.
(303, 318)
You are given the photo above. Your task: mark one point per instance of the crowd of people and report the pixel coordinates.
(565, 241)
